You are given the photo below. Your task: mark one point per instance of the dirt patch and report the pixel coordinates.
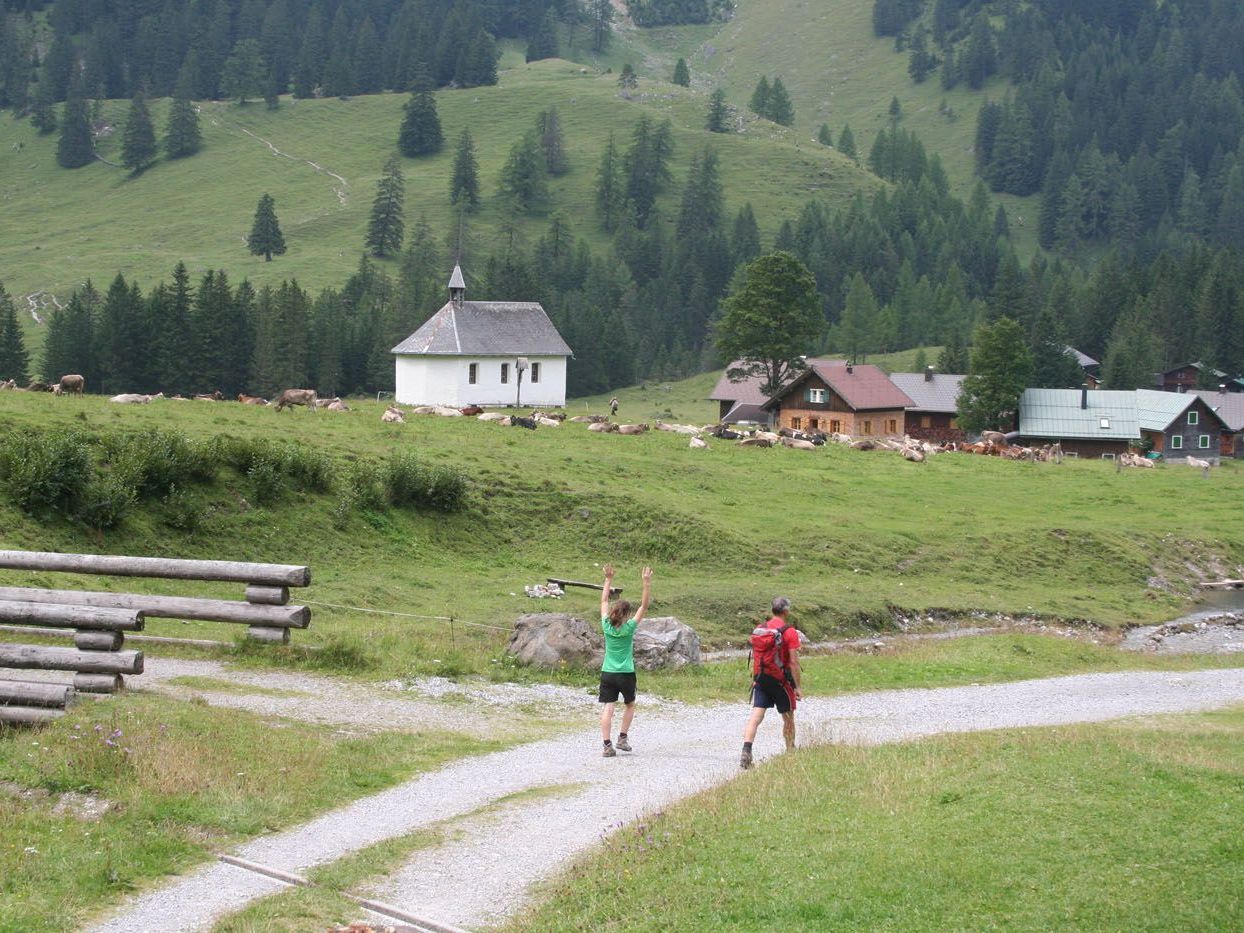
(85, 807)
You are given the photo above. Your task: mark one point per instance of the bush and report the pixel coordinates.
(48, 471)
(361, 491)
(267, 481)
(305, 468)
(154, 462)
(409, 482)
(106, 502)
(181, 512)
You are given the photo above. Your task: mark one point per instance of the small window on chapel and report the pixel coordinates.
(473, 373)
(535, 372)
(505, 373)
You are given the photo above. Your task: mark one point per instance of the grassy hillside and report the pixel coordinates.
(848, 535)
(61, 226)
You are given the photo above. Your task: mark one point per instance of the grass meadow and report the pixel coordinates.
(1131, 825)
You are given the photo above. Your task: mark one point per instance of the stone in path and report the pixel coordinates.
(486, 872)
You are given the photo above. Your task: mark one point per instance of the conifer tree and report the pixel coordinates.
(628, 80)
(138, 145)
(718, 113)
(70, 345)
(954, 357)
(759, 104)
(182, 137)
(543, 41)
(174, 336)
(552, 142)
(76, 146)
(367, 59)
(14, 360)
(600, 16)
(1000, 370)
(464, 186)
(265, 237)
(311, 55)
(43, 114)
(857, 328)
(386, 229)
(478, 67)
(824, 136)
(421, 127)
(682, 74)
(778, 107)
(522, 184)
(846, 143)
(1133, 353)
(243, 73)
(610, 187)
(745, 237)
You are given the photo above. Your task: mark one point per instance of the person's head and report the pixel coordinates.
(780, 606)
(619, 612)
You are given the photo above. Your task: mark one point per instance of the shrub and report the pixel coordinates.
(304, 467)
(105, 502)
(267, 481)
(155, 461)
(43, 471)
(181, 511)
(361, 491)
(409, 482)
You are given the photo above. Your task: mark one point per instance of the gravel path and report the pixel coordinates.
(678, 752)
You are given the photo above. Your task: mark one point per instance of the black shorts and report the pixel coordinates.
(768, 692)
(611, 685)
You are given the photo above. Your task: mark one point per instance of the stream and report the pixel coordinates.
(1215, 627)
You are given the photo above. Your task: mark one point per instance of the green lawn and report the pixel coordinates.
(1124, 826)
(184, 781)
(849, 535)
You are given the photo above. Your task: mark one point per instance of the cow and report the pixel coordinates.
(446, 412)
(337, 405)
(631, 429)
(393, 415)
(755, 442)
(912, 454)
(1202, 465)
(520, 422)
(797, 443)
(546, 422)
(325, 402)
(471, 410)
(7, 385)
(215, 396)
(72, 384)
(37, 386)
(769, 436)
(252, 400)
(492, 416)
(723, 432)
(603, 427)
(997, 438)
(291, 397)
(586, 419)
(134, 398)
(698, 443)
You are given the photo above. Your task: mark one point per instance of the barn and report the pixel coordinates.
(1088, 424)
(1229, 406)
(1179, 424)
(934, 415)
(491, 353)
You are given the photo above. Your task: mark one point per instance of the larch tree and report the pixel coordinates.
(770, 321)
(610, 187)
(543, 41)
(857, 328)
(464, 185)
(718, 113)
(522, 184)
(824, 136)
(778, 107)
(14, 360)
(386, 229)
(682, 74)
(243, 74)
(846, 143)
(138, 144)
(76, 146)
(265, 237)
(182, 136)
(759, 104)
(43, 113)
(600, 19)
(421, 134)
(552, 141)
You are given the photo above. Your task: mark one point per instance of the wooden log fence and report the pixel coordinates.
(99, 620)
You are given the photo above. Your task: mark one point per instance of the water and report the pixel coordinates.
(1196, 639)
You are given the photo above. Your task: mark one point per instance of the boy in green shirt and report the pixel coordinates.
(617, 673)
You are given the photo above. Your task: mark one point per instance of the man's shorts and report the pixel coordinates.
(611, 685)
(768, 692)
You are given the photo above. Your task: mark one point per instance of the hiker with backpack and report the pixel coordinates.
(776, 676)
(617, 671)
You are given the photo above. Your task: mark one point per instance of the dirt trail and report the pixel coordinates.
(342, 192)
(678, 752)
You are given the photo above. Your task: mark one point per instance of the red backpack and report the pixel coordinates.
(766, 651)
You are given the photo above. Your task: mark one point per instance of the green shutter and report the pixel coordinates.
(807, 394)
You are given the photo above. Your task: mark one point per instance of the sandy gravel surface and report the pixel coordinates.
(486, 871)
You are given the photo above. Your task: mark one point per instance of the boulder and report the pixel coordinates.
(555, 639)
(665, 643)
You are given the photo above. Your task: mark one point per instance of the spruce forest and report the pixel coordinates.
(1115, 129)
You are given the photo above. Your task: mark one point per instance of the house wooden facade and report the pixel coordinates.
(859, 400)
(934, 415)
(1229, 407)
(1180, 425)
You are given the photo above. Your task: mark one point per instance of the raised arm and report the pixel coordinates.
(643, 603)
(604, 593)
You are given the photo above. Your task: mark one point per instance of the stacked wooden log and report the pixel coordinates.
(99, 620)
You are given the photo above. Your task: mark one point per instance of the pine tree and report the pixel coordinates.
(43, 115)
(745, 237)
(954, 356)
(182, 137)
(1071, 227)
(174, 336)
(464, 186)
(628, 80)
(682, 74)
(552, 142)
(265, 237)
(368, 62)
(759, 103)
(243, 73)
(76, 146)
(311, 55)
(600, 14)
(421, 127)
(522, 183)
(778, 107)
(1133, 354)
(14, 360)
(858, 326)
(1000, 370)
(543, 42)
(386, 229)
(846, 143)
(718, 113)
(138, 145)
(824, 136)
(610, 187)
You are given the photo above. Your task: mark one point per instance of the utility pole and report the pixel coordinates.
(520, 365)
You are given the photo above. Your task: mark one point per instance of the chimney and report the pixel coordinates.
(850, 368)
(1182, 388)
(928, 374)
(1083, 396)
(1222, 388)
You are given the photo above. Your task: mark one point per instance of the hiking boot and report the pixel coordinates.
(622, 744)
(609, 752)
(745, 760)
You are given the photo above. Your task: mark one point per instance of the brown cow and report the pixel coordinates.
(471, 410)
(393, 415)
(216, 396)
(603, 427)
(291, 397)
(7, 384)
(252, 400)
(997, 438)
(73, 384)
(632, 428)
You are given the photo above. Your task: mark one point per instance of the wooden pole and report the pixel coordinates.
(224, 571)
(276, 636)
(31, 693)
(268, 595)
(168, 607)
(28, 715)
(44, 658)
(98, 641)
(59, 615)
(98, 683)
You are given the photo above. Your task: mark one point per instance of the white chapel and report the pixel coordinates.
(489, 353)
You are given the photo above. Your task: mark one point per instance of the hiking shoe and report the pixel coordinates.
(745, 760)
(622, 744)
(609, 752)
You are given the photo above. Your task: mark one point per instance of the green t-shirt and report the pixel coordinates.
(619, 647)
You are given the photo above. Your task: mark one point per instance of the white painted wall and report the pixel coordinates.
(445, 380)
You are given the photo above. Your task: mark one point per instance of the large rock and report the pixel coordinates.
(665, 643)
(554, 639)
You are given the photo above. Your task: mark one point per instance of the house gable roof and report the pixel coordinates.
(746, 391)
(1056, 414)
(862, 386)
(939, 394)
(486, 328)
(1155, 411)
(1228, 406)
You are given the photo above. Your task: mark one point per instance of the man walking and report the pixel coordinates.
(776, 676)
